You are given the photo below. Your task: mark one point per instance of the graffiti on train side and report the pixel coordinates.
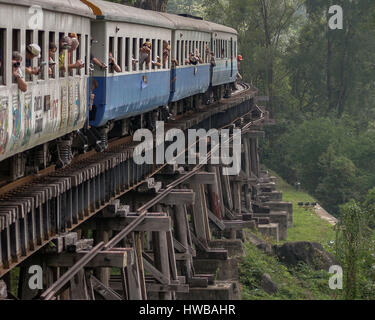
(4, 134)
(16, 121)
(27, 117)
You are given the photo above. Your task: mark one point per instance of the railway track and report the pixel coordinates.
(36, 209)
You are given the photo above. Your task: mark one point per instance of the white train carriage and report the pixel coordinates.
(54, 104)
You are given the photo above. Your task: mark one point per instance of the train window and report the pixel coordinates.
(178, 50)
(79, 54)
(16, 43)
(2, 56)
(153, 52)
(110, 51)
(16, 40)
(87, 55)
(120, 53)
(140, 46)
(29, 63)
(52, 49)
(181, 61)
(41, 43)
(186, 52)
(62, 57)
(127, 56)
(135, 54)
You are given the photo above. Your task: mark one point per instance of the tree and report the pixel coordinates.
(351, 245)
(156, 5)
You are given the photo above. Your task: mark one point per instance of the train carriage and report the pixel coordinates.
(137, 89)
(53, 105)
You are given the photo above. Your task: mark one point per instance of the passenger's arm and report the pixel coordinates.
(22, 85)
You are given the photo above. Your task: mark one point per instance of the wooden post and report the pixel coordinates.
(162, 259)
(199, 218)
(213, 191)
(102, 274)
(181, 229)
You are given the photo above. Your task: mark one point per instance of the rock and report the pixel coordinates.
(268, 285)
(3, 290)
(311, 253)
(260, 244)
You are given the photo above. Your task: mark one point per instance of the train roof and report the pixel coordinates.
(75, 7)
(118, 12)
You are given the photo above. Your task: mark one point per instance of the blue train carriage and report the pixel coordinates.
(137, 89)
(224, 45)
(190, 36)
(54, 105)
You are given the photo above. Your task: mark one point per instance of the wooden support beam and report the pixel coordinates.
(176, 196)
(104, 259)
(198, 178)
(219, 223)
(105, 292)
(150, 223)
(155, 272)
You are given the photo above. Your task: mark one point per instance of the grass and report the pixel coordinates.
(301, 283)
(307, 226)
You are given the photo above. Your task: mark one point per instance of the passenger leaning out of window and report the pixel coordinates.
(17, 72)
(74, 46)
(51, 58)
(166, 51)
(67, 43)
(112, 64)
(145, 54)
(32, 51)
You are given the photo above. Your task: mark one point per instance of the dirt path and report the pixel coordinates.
(325, 215)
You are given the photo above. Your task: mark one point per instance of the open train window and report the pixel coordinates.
(178, 50)
(62, 54)
(159, 52)
(52, 51)
(110, 51)
(135, 55)
(2, 56)
(186, 51)
(140, 46)
(153, 52)
(41, 43)
(87, 55)
(16, 44)
(29, 63)
(79, 54)
(120, 52)
(181, 61)
(127, 56)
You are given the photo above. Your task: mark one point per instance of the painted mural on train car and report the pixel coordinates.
(43, 113)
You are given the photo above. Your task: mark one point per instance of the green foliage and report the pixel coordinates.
(354, 250)
(293, 284)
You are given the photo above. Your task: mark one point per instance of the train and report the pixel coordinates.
(66, 112)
